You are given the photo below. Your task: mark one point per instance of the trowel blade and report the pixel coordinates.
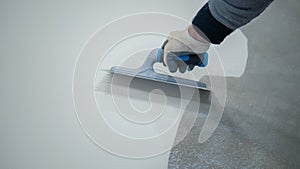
(149, 74)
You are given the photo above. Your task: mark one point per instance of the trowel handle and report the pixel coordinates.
(200, 60)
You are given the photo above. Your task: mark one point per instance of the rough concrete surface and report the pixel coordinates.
(260, 124)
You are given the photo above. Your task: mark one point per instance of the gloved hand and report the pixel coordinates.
(183, 42)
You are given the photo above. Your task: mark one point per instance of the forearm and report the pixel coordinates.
(218, 18)
(236, 13)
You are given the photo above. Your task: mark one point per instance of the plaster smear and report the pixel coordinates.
(141, 109)
(139, 118)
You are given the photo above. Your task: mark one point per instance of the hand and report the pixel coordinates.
(183, 42)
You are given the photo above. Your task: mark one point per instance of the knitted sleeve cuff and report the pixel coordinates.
(208, 27)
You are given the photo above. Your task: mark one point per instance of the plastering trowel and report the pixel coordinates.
(147, 72)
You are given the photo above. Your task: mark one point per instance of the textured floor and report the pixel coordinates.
(260, 124)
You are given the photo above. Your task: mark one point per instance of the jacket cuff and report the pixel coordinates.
(208, 27)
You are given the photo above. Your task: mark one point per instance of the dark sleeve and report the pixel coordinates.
(218, 18)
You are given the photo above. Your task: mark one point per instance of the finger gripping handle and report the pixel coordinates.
(193, 59)
(200, 60)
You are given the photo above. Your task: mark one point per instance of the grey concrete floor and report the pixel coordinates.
(260, 124)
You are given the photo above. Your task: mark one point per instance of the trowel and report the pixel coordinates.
(147, 72)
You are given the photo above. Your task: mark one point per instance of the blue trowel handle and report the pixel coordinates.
(200, 60)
